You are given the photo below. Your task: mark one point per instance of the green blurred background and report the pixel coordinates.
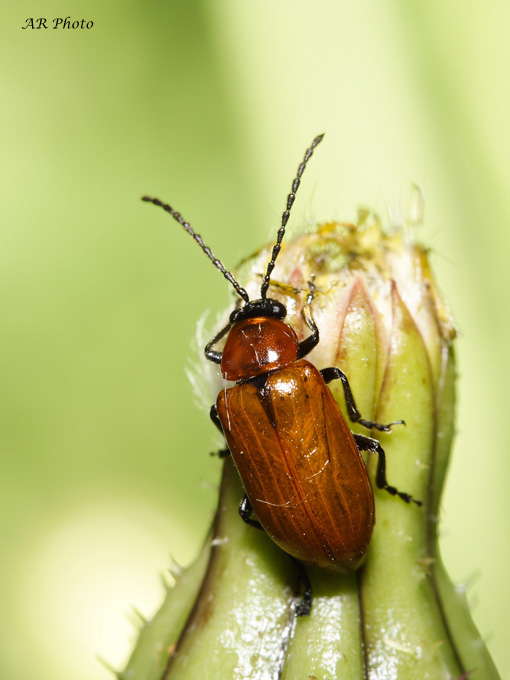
(105, 465)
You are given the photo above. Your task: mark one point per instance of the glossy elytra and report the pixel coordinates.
(300, 465)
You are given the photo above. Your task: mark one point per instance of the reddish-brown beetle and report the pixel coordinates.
(300, 464)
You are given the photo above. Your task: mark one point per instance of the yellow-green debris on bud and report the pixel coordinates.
(231, 614)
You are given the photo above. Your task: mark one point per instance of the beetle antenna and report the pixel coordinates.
(285, 217)
(187, 226)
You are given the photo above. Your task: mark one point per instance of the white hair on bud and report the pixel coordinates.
(204, 376)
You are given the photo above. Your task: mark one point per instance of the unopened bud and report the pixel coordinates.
(232, 614)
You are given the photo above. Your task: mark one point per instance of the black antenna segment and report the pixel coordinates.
(187, 226)
(285, 217)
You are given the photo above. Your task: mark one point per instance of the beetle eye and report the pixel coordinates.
(279, 310)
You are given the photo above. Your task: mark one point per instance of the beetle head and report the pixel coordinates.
(265, 307)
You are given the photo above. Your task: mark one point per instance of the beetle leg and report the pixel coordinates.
(210, 353)
(306, 345)
(245, 511)
(305, 606)
(213, 414)
(222, 453)
(365, 443)
(334, 373)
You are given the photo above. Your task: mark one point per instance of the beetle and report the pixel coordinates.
(301, 466)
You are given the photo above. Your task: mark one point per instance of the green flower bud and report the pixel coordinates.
(232, 613)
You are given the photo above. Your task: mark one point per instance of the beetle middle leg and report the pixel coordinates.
(213, 414)
(245, 511)
(245, 508)
(334, 373)
(365, 443)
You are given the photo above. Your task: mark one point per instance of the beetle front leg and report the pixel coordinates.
(306, 345)
(212, 354)
(365, 443)
(334, 373)
(245, 511)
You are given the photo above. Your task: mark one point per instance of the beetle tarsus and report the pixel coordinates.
(379, 426)
(334, 373)
(311, 293)
(365, 443)
(305, 606)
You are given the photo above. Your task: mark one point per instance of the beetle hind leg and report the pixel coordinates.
(368, 444)
(334, 373)
(305, 606)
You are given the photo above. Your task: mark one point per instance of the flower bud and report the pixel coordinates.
(232, 614)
